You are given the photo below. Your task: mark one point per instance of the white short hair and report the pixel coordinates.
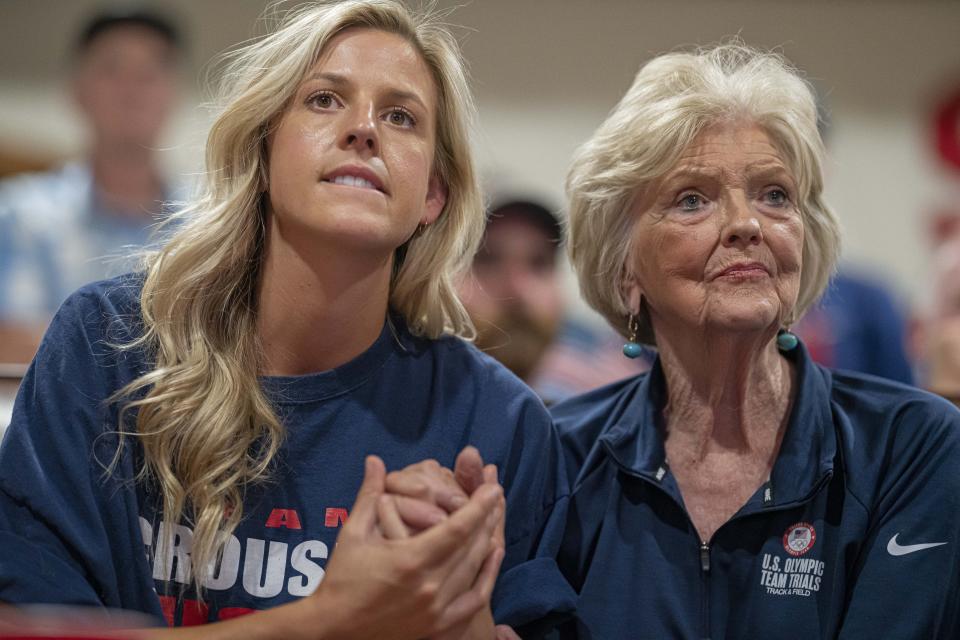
(673, 98)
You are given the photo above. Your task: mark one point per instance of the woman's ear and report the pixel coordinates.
(633, 293)
(436, 200)
(263, 177)
(263, 180)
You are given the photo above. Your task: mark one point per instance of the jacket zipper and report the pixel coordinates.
(704, 548)
(705, 590)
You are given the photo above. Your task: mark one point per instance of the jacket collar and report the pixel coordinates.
(634, 440)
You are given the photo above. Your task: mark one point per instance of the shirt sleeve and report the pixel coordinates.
(906, 579)
(531, 590)
(69, 532)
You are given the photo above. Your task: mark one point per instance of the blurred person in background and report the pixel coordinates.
(858, 325)
(941, 330)
(514, 294)
(62, 229)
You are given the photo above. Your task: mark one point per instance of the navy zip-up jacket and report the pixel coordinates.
(856, 534)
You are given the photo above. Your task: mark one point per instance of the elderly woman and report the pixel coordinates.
(189, 438)
(739, 490)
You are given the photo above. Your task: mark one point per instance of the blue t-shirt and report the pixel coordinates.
(867, 469)
(69, 533)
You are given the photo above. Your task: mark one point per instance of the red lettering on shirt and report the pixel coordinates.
(286, 518)
(194, 613)
(168, 604)
(334, 517)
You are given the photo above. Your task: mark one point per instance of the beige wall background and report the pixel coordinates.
(546, 72)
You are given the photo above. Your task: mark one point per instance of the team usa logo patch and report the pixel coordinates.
(792, 575)
(799, 538)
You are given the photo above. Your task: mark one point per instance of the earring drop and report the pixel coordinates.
(632, 349)
(787, 341)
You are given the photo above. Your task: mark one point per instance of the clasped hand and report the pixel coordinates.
(420, 552)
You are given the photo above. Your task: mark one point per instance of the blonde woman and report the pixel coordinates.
(739, 490)
(301, 319)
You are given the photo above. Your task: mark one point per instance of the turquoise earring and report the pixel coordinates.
(632, 349)
(787, 341)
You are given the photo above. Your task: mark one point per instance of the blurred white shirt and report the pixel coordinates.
(55, 236)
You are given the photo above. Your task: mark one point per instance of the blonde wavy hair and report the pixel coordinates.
(207, 428)
(673, 98)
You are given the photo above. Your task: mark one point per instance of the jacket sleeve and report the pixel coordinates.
(906, 579)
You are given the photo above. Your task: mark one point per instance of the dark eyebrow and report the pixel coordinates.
(339, 80)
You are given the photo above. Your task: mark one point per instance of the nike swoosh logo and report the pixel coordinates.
(895, 549)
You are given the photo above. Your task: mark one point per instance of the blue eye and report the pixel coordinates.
(690, 202)
(777, 197)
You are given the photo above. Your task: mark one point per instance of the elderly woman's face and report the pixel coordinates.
(718, 241)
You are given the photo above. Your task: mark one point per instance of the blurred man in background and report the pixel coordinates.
(514, 294)
(62, 229)
(860, 326)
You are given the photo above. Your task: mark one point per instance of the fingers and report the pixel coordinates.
(435, 545)
(490, 474)
(407, 482)
(487, 578)
(363, 515)
(391, 524)
(418, 514)
(490, 477)
(468, 470)
(499, 529)
(428, 481)
(469, 603)
(503, 632)
(464, 566)
(449, 497)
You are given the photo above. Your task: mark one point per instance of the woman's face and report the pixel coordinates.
(351, 159)
(718, 240)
